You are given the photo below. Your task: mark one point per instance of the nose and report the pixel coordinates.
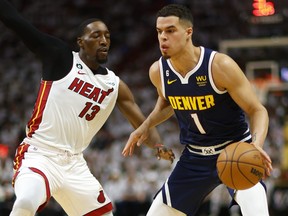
(162, 36)
(103, 40)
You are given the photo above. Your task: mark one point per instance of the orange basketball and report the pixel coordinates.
(240, 166)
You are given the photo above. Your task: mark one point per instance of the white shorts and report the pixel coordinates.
(67, 177)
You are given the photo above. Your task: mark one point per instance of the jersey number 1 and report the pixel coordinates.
(197, 123)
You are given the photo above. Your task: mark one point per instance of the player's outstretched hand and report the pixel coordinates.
(137, 137)
(165, 154)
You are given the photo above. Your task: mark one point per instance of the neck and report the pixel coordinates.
(89, 61)
(186, 61)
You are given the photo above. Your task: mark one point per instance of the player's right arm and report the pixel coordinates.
(161, 112)
(55, 55)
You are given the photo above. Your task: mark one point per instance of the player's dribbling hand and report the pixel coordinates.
(266, 160)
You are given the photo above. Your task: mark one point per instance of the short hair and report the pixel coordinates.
(82, 27)
(181, 11)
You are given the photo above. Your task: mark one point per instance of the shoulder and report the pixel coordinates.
(222, 61)
(124, 93)
(225, 71)
(123, 87)
(154, 72)
(122, 84)
(155, 67)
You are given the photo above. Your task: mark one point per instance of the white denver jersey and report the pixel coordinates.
(70, 111)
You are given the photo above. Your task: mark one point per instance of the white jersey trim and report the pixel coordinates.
(211, 75)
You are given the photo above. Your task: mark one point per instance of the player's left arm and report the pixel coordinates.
(129, 108)
(56, 55)
(228, 76)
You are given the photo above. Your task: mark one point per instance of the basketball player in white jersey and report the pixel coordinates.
(75, 98)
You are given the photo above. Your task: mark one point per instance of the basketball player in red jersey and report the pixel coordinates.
(75, 98)
(209, 94)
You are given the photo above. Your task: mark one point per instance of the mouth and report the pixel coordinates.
(103, 50)
(164, 48)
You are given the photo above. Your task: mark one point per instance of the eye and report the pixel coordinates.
(170, 30)
(107, 36)
(95, 35)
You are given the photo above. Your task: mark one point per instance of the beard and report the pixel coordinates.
(165, 56)
(102, 60)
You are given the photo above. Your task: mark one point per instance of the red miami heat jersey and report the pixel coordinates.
(70, 111)
(206, 115)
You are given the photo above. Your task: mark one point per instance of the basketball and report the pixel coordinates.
(240, 166)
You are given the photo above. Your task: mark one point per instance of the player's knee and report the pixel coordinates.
(21, 212)
(158, 208)
(246, 200)
(24, 207)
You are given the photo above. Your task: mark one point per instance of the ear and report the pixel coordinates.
(80, 42)
(189, 32)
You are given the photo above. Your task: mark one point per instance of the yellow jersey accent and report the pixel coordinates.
(169, 82)
(192, 103)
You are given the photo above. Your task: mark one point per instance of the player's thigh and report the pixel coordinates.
(30, 191)
(192, 179)
(82, 193)
(32, 175)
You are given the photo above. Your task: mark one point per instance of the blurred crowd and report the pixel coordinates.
(130, 182)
